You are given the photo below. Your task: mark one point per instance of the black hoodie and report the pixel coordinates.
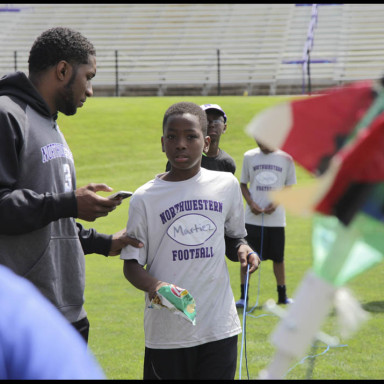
(39, 238)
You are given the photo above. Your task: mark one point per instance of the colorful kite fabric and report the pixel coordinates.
(359, 166)
(313, 129)
(342, 252)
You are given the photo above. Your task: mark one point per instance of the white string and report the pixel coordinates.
(243, 340)
(261, 258)
(244, 316)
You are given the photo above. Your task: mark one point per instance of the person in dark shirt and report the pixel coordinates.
(216, 159)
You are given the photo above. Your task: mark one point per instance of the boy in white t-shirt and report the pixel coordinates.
(181, 217)
(266, 170)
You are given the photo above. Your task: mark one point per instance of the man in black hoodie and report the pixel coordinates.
(39, 237)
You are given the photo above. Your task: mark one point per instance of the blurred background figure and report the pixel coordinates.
(36, 341)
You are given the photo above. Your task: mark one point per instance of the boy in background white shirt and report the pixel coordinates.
(266, 170)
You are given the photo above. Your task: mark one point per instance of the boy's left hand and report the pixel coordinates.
(253, 259)
(270, 208)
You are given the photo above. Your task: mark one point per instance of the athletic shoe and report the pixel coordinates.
(240, 303)
(286, 301)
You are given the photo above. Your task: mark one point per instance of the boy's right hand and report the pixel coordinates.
(91, 206)
(255, 209)
(156, 287)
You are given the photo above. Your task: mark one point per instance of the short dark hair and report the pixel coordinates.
(187, 107)
(58, 44)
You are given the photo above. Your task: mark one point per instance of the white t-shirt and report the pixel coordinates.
(264, 173)
(182, 227)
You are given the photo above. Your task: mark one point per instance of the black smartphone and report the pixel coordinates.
(120, 195)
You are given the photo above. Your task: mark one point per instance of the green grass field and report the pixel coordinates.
(117, 141)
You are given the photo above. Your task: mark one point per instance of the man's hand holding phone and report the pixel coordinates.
(91, 206)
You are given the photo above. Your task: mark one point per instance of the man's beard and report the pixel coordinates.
(68, 106)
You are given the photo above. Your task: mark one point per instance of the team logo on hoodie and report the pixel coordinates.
(55, 150)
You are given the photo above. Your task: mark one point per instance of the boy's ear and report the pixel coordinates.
(207, 142)
(162, 143)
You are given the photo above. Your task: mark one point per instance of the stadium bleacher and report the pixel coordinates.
(176, 49)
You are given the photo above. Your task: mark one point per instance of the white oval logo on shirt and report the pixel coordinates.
(266, 178)
(191, 229)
